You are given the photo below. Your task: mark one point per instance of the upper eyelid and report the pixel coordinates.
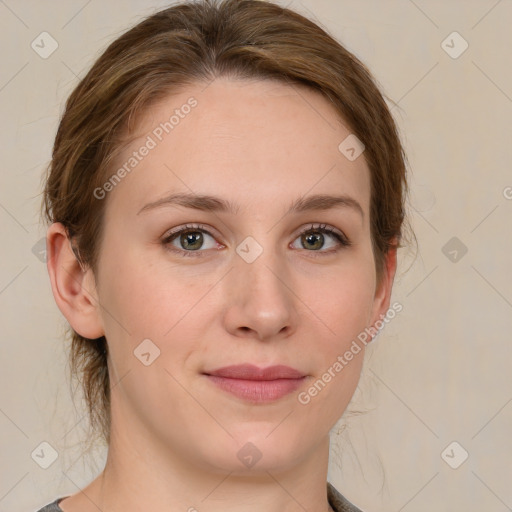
(207, 229)
(199, 227)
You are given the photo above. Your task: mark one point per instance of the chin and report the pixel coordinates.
(252, 450)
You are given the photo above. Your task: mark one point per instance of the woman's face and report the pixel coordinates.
(244, 285)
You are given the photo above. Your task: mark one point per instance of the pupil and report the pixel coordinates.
(311, 238)
(189, 239)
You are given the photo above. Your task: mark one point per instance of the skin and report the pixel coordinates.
(175, 436)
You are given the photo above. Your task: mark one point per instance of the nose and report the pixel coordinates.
(260, 302)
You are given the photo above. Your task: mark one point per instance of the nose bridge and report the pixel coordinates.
(261, 297)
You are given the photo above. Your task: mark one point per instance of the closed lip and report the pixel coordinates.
(252, 372)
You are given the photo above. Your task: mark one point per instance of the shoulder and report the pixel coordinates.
(338, 502)
(53, 506)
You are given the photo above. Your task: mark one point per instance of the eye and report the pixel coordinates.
(188, 240)
(314, 238)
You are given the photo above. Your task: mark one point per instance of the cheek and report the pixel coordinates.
(138, 294)
(346, 299)
(345, 308)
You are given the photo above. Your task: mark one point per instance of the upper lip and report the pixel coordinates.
(251, 372)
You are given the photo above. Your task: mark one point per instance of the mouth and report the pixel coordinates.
(257, 385)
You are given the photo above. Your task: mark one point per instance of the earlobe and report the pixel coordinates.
(73, 287)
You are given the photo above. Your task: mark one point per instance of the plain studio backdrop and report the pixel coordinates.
(437, 385)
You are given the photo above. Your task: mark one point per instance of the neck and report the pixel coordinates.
(145, 479)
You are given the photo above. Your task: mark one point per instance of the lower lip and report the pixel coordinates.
(257, 391)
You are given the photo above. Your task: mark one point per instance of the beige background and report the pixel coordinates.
(439, 372)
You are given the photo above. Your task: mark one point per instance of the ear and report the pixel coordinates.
(73, 287)
(384, 287)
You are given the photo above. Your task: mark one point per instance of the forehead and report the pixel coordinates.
(258, 143)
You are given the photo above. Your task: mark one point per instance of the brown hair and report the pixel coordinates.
(185, 44)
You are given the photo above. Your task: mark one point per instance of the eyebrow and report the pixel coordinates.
(317, 202)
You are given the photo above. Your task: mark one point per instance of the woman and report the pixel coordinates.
(226, 199)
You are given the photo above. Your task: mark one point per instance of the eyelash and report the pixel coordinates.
(315, 228)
